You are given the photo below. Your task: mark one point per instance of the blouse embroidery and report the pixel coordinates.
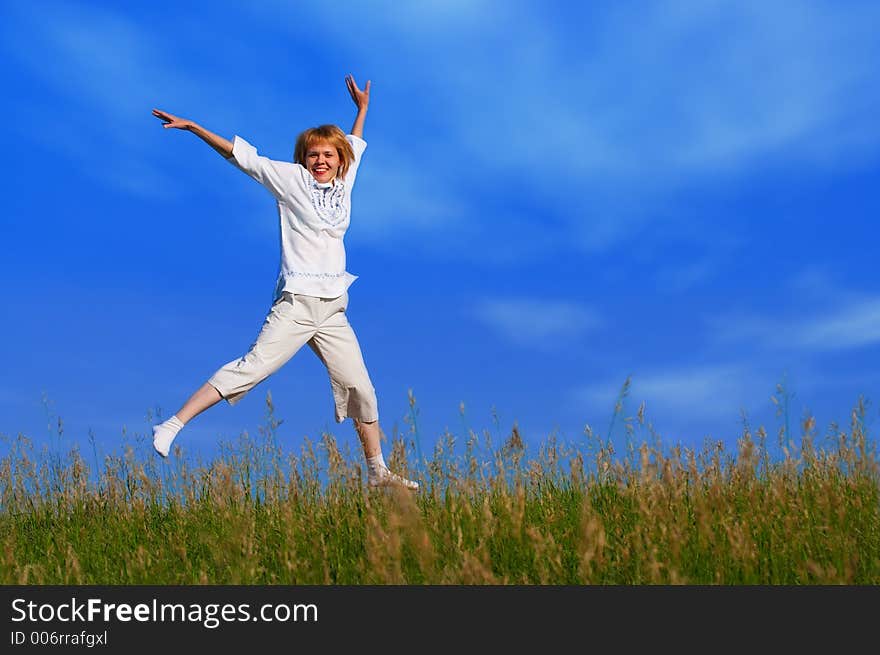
(313, 275)
(329, 202)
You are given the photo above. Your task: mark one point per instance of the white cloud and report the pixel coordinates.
(692, 389)
(111, 71)
(604, 115)
(534, 322)
(696, 392)
(850, 325)
(598, 116)
(406, 200)
(97, 60)
(673, 88)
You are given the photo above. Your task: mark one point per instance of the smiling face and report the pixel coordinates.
(322, 161)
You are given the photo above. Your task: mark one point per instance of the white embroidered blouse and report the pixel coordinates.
(313, 218)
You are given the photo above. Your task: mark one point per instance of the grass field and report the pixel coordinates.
(487, 513)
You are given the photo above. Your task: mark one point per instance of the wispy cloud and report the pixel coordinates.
(405, 201)
(695, 392)
(854, 324)
(98, 63)
(601, 116)
(538, 323)
(587, 122)
(109, 70)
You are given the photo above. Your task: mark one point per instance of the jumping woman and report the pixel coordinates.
(313, 195)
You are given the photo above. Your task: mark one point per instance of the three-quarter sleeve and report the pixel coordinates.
(276, 176)
(358, 145)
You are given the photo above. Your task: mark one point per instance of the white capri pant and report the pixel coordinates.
(295, 320)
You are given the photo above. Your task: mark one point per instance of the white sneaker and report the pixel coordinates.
(385, 478)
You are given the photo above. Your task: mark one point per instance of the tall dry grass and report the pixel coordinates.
(570, 514)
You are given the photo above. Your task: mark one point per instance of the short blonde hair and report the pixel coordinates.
(331, 134)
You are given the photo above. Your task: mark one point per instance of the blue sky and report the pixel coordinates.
(554, 197)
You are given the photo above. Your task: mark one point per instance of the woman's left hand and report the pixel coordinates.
(360, 97)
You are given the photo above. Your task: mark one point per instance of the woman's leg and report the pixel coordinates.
(284, 331)
(337, 347)
(206, 396)
(369, 436)
(164, 433)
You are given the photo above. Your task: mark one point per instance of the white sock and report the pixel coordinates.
(376, 465)
(164, 433)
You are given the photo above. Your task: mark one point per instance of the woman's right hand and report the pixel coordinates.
(172, 121)
(360, 97)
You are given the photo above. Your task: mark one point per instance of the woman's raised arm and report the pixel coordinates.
(361, 98)
(217, 142)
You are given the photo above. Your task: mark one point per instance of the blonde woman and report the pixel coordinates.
(313, 196)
